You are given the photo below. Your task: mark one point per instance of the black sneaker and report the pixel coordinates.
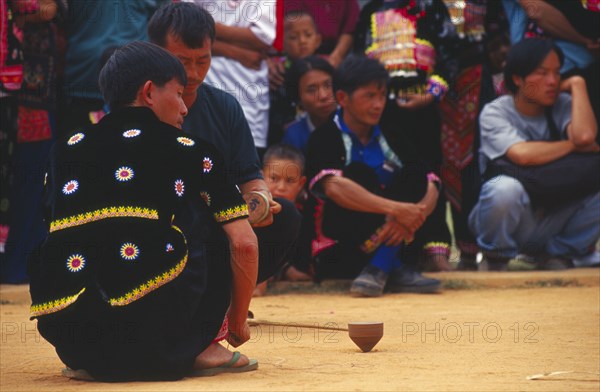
(370, 282)
(494, 263)
(554, 263)
(405, 280)
(468, 262)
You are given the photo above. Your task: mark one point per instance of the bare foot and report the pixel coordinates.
(260, 289)
(295, 275)
(217, 355)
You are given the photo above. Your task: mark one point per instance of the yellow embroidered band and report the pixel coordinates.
(150, 285)
(231, 213)
(53, 306)
(104, 213)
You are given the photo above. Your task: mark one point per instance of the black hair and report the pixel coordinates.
(132, 65)
(187, 21)
(301, 67)
(525, 56)
(107, 53)
(286, 152)
(294, 15)
(357, 71)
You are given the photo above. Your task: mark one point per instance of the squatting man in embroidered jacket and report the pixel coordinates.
(113, 288)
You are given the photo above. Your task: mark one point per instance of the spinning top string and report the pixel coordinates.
(255, 322)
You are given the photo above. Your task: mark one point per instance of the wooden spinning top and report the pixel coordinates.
(365, 334)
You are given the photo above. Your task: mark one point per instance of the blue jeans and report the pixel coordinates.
(505, 224)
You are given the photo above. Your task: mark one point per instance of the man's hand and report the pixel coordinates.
(588, 148)
(409, 215)
(250, 58)
(259, 185)
(239, 332)
(274, 208)
(569, 84)
(393, 233)
(262, 207)
(334, 60)
(414, 101)
(276, 73)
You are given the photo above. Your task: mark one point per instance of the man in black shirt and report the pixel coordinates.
(188, 31)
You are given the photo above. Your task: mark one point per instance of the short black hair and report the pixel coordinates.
(301, 67)
(187, 21)
(132, 65)
(286, 152)
(358, 71)
(525, 56)
(294, 15)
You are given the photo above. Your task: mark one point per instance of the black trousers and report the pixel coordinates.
(275, 241)
(352, 228)
(154, 338)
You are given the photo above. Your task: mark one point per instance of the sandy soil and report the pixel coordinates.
(485, 336)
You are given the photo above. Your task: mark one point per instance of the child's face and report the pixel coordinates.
(284, 178)
(497, 52)
(300, 37)
(315, 91)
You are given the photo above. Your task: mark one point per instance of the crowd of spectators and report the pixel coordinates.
(368, 199)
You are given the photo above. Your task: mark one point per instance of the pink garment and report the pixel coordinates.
(11, 36)
(333, 18)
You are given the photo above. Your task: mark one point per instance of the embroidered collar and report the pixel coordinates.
(347, 136)
(342, 126)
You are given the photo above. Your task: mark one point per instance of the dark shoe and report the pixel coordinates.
(468, 262)
(554, 263)
(494, 263)
(409, 281)
(370, 282)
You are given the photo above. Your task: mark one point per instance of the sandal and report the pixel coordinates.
(81, 375)
(227, 367)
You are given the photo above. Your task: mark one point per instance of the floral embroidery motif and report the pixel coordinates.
(130, 251)
(124, 173)
(206, 197)
(186, 141)
(231, 213)
(372, 243)
(437, 87)
(75, 139)
(108, 212)
(437, 248)
(70, 187)
(207, 165)
(150, 285)
(131, 133)
(179, 187)
(75, 263)
(53, 306)
(169, 248)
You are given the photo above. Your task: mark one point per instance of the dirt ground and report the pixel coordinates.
(485, 332)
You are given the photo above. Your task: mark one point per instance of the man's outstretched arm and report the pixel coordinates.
(244, 268)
